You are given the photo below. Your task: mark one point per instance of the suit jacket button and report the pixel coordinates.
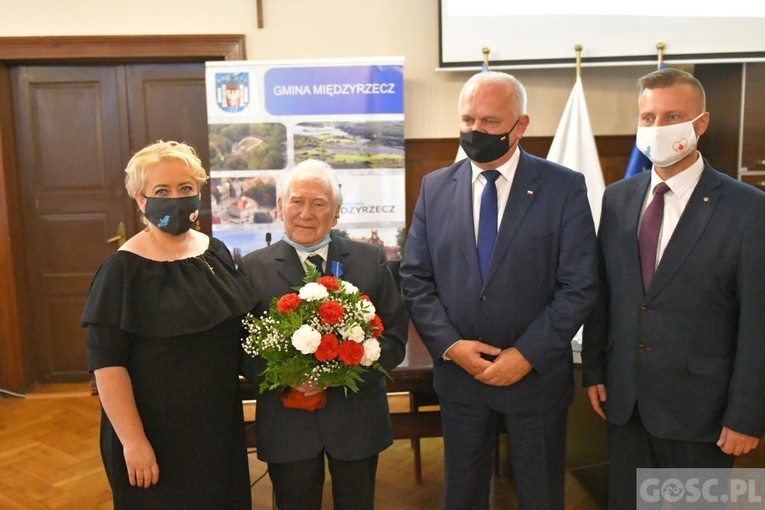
(484, 299)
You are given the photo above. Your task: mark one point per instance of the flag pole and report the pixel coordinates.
(661, 47)
(638, 162)
(484, 67)
(573, 144)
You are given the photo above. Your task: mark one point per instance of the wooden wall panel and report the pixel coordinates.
(424, 155)
(722, 84)
(736, 104)
(753, 150)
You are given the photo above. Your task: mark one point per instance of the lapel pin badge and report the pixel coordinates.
(705, 199)
(530, 193)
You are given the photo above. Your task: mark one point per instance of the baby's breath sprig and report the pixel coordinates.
(326, 332)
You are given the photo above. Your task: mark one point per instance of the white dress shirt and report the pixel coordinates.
(504, 183)
(681, 188)
(323, 251)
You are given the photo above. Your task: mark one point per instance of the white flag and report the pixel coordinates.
(574, 147)
(460, 154)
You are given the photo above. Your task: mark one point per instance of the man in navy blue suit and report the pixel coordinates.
(673, 354)
(498, 322)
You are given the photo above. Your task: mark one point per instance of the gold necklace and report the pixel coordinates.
(164, 248)
(203, 259)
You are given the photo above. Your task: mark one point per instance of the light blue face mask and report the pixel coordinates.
(335, 267)
(321, 244)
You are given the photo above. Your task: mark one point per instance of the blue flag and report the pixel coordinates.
(638, 162)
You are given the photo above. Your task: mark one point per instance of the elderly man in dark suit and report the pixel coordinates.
(499, 272)
(351, 429)
(674, 353)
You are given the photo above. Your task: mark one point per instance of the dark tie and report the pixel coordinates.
(487, 221)
(648, 239)
(318, 262)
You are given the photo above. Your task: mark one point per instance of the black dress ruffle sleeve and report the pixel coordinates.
(176, 327)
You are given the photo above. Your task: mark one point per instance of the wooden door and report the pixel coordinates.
(77, 127)
(71, 125)
(168, 103)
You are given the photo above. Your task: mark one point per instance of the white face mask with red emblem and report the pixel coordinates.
(666, 145)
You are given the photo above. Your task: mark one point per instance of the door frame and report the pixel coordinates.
(17, 369)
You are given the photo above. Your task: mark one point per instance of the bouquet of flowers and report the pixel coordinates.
(325, 333)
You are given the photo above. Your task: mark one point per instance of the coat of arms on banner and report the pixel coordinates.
(232, 91)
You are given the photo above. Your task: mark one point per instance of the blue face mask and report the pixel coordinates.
(172, 215)
(324, 242)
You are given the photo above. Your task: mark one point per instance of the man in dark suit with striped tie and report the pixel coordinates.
(674, 353)
(351, 429)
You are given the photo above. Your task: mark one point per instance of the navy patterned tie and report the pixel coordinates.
(648, 238)
(487, 221)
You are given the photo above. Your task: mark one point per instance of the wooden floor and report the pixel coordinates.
(49, 459)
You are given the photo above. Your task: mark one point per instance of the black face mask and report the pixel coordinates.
(483, 147)
(172, 215)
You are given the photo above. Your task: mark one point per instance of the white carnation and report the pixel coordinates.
(367, 310)
(353, 332)
(371, 352)
(306, 339)
(313, 292)
(349, 288)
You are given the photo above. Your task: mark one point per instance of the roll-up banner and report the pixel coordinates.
(264, 117)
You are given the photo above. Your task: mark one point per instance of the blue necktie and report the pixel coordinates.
(487, 221)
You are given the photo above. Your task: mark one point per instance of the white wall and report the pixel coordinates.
(341, 28)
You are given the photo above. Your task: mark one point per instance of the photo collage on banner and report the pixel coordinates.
(266, 117)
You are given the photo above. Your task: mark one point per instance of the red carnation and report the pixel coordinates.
(330, 312)
(376, 326)
(330, 282)
(365, 298)
(328, 348)
(288, 303)
(351, 352)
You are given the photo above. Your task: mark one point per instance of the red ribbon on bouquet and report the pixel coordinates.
(298, 400)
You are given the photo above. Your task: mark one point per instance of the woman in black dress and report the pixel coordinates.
(164, 331)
